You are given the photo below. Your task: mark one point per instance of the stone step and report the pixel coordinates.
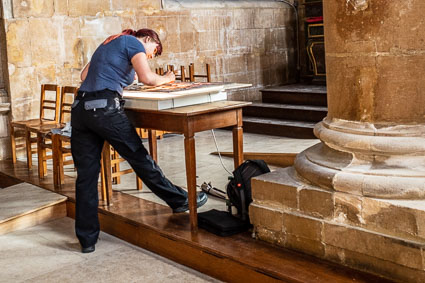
(277, 127)
(24, 205)
(298, 94)
(310, 113)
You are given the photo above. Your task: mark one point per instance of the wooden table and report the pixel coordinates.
(189, 120)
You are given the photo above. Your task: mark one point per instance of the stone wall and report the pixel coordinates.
(49, 41)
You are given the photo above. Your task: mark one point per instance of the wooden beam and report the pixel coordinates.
(276, 159)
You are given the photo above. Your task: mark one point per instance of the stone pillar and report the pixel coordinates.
(357, 198)
(373, 139)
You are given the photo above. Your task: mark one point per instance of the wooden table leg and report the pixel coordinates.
(153, 150)
(189, 149)
(238, 140)
(106, 159)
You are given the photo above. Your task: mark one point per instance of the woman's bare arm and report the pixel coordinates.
(84, 72)
(145, 74)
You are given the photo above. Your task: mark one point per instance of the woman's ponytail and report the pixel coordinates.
(115, 36)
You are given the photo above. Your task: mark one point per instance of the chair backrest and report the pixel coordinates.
(193, 76)
(48, 104)
(68, 94)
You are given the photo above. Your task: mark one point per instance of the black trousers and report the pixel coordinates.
(90, 128)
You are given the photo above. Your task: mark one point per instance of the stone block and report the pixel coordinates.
(172, 24)
(283, 17)
(316, 202)
(87, 8)
(18, 42)
(46, 74)
(5, 150)
(305, 245)
(209, 40)
(235, 64)
(120, 5)
(304, 227)
(187, 40)
(139, 22)
(396, 250)
(100, 27)
(33, 8)
(252, 62)
(242, 19)
(234, 39)
(391, 95)
(401, 218)
(274, 237)
(202, 20)
(269, 218)
(4, 126)
(44, 34)
(186, 24)
(71, 44)
(172, 43)
(348, 209)
(274, 189)
(375, 265)
(24, 96)
(61, 7)
(158, 24)
(263, 18)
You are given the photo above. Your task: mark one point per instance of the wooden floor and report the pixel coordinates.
(153, 226)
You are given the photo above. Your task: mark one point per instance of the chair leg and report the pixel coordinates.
(13, 142)
(139, 183)
(117, 179)
(41, 155)
(28, 148)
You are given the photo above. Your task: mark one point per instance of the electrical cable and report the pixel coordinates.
(219, 155)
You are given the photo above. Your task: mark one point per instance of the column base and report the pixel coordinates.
(381, 236)
(365, 159)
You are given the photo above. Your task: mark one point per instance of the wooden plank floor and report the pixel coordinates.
(153, 226)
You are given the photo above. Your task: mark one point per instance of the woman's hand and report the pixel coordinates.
(169, 75)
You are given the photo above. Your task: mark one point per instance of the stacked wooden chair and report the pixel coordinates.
(20, 128)
(45, 138)
(191, 75)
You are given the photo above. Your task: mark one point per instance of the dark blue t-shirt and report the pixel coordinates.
(110, 66)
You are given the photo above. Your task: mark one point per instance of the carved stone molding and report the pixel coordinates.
(365, 159)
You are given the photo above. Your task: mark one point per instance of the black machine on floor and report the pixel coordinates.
(224, 223)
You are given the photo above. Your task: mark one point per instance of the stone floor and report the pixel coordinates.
(51, 253)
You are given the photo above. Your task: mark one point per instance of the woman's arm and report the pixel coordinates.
(145, 74)
(84, 72)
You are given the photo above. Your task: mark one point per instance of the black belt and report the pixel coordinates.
(106, 93)
(99, 99)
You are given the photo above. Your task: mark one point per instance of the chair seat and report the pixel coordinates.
(31, 122)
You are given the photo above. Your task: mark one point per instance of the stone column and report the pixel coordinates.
(373, 139)
(357, 198)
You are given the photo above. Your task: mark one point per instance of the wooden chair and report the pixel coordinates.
(45, 136)
(19, 128)
(193, 76)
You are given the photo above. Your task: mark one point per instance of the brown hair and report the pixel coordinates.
(139, 34)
